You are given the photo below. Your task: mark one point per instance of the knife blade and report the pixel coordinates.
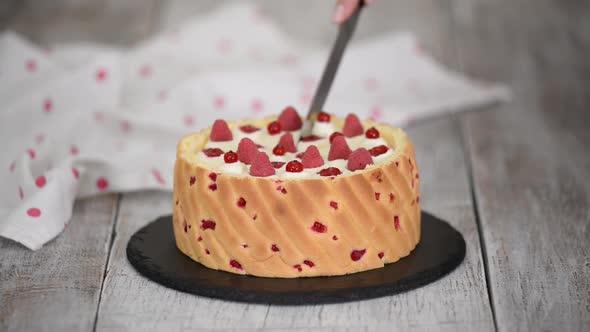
(344, 34)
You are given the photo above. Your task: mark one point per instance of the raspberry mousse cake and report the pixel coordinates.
(253, 197)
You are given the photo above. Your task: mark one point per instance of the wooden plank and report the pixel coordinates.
(530, 158)
(57, 287)
(460, 301)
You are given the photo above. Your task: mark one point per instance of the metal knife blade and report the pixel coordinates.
(344, 34)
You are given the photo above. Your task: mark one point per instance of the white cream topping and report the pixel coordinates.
(295, 175)
(255, 136)
(384, 156)
(225, 146)
(322, 144)
(373, 142)
(323, 129)
(262, 137)
(355, 142)
(211, 162)
(233, 168)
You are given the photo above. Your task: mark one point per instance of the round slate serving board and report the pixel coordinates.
(152, 251)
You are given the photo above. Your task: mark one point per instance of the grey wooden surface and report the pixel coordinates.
(515, 180)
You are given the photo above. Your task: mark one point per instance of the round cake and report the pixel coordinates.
(253, 197)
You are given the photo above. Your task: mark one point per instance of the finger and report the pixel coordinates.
(344, 9)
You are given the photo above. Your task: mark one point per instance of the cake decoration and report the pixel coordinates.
(339, 149)
(220, 132)
(289, 119)
(352, 126)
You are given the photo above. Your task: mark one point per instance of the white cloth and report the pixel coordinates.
(79, 120)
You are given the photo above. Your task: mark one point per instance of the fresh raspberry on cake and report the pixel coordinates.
(289, 119)
(247, 150)
(261, 166)
(334, 134)
(220, 132)
(312, 158)
(359, 159)
(286, 141)
(352, 126)
(339, 149)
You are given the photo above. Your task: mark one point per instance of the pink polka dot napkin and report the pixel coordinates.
(81, 120)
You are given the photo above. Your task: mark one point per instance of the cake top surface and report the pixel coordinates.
(273, 147)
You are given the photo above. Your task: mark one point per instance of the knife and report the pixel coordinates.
(344, 35)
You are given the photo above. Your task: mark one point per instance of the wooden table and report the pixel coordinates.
(515, 180)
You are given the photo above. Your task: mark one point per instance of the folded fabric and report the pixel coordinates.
(80, 120)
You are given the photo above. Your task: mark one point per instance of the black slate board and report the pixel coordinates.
(152, 251)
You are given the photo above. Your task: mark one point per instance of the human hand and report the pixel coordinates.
(345, 9)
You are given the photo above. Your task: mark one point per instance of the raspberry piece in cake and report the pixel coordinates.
(294, 167)
(235, 264)
(372, 133)
(213, 152)
(289, 119)
(330, 171)
(396, 223)
(241, 202)
(339, 149)
(324, 117)
(378, 150)
(220, 132)
(355, 255)
(352, 126)
(310, 138)
(359, 159)
(274, 128)
(318, 227)
(261, 166)
(277, 164)
(208, 224)
(309, 263)
(287, 142)
(312, 158)
(275, 248)
(249, 129)
(247, 150)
